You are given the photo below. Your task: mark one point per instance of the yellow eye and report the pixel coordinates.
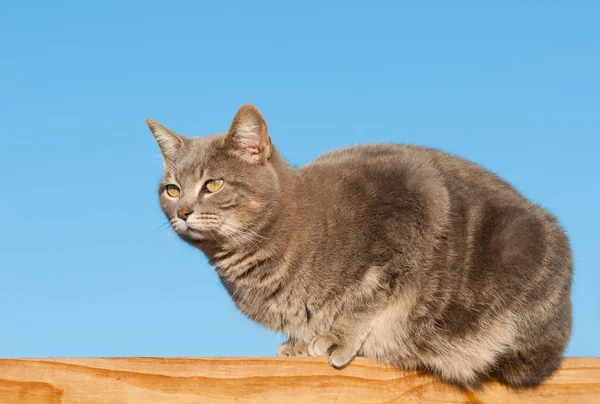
(172, 190)
(213, 185)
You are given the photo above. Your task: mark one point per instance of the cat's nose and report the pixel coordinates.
(182, 213)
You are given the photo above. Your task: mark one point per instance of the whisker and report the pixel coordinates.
(241, 235)
(162, 226)
(247, 230)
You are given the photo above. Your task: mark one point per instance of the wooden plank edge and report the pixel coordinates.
(253, 379)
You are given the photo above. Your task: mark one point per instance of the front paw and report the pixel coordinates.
(322, 344)
(293, 348)
(340, 354)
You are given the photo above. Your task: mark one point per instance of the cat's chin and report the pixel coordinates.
(193, 236)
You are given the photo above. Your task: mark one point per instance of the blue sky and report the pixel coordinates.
(87, 270)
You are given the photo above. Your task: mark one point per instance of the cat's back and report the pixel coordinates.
(391, 163)
(398, 156)
(451, 192)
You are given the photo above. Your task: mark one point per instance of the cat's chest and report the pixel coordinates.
(266, 293)
(282, 309)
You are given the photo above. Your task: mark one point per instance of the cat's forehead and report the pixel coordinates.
(199, 155)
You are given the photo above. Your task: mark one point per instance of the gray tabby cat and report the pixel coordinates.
(404, 254)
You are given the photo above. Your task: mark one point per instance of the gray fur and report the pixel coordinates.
(404, 254)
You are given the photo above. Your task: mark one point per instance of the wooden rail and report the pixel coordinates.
(260, 380)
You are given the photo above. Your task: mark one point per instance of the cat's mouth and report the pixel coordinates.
(191, 234)
(198, 229)
(195, 230)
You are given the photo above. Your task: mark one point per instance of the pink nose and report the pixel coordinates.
(182, 213)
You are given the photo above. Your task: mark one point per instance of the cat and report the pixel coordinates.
(408, 255)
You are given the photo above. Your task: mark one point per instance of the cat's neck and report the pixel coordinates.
(268, 244)
(254, 274)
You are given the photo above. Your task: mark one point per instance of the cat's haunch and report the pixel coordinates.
(404, 254)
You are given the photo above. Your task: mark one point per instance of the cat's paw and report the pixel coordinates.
(293, 348)
(322, 344)
(341, 356)
(330, 345)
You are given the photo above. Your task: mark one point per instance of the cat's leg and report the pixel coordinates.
(342, 343)
(293, 348)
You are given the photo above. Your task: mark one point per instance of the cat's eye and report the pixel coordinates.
(213, 185)
(173, 190)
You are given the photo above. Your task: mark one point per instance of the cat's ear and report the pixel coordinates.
(168, 141)
(248, 136)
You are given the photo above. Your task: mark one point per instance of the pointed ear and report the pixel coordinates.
(168, 141)
(249, 136)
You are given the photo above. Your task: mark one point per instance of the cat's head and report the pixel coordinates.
(221, 188)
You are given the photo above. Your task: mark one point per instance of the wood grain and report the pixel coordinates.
(263, 380)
